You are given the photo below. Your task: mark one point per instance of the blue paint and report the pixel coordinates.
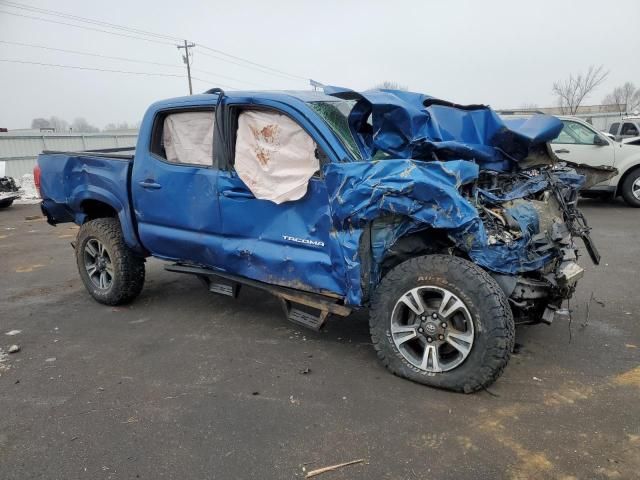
(429, 150)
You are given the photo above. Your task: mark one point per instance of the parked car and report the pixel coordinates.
(580, 143)
(387, 200)
(9, 191)
(626, 128)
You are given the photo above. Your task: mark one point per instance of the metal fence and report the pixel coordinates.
(18, 152)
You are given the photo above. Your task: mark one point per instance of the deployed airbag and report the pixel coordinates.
(275, 157)
(188, 138)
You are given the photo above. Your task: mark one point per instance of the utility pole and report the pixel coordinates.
(186, 60)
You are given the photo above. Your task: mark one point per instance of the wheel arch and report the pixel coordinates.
(93, 203)
(625, 175)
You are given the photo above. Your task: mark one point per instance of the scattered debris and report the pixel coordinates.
(591, 299)
(14, 348)
(11, 333)
(537, 379)
(318, 471)
(294, 401)
(255, 393)
(304, 371)
(50, 359)
(32, 217)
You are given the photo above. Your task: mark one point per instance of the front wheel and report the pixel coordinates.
(631, 189)
(444, 322)
(111, 272)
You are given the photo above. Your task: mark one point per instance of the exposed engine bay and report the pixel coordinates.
(551, 220)
(492, 188)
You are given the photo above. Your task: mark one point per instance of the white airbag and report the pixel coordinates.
(275, 157)
(188, 137)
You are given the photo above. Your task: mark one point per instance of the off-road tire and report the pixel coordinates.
(486, 302)
(627, 189)
(6, 203)
(128, 268)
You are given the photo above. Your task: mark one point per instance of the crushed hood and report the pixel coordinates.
(401, 124)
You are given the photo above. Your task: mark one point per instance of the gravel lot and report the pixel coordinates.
(185, 384)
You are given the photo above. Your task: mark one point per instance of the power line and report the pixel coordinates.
(242, 65)
(22, 6)
(91, 68)
(76, 52)
(253, 63)
(226, 76)
(76, 67)
(86, 28)
(124, 59)
(250, 64)
(216, 83)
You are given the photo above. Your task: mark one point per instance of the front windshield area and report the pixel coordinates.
(336, 115)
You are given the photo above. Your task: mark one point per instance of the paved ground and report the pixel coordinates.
(188, 385)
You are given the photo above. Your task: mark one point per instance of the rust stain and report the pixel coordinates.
(567, 395)
(629, 379)
(28, 268)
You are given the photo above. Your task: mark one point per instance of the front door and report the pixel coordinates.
(174, 188)
(280, 230)
(577, 143)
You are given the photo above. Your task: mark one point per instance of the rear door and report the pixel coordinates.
(174, 187)
(288, 243)
(577, 143)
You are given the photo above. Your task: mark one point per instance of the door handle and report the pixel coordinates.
(237, 194)
(150, 184)
(562, 150)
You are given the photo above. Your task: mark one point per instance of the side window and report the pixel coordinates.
(184, 137)
(629, 129)
(575, 133)
(613, 129)
(274, 156)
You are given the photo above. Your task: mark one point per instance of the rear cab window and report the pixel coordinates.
(184, 137)
(613, 129)
(629, 129)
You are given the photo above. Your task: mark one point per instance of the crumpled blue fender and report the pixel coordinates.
(424, 191)
(413, 125)
(427, 195)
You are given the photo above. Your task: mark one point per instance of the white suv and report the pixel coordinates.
(579, 142)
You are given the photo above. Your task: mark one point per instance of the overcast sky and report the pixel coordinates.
(503, 53)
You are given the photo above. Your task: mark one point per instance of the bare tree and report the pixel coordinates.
(572, 91)
(58, 124)
(113, 127)
(389, 85)
(38, 123)
(626, 98)
(81, 125)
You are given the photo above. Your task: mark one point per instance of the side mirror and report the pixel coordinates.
(598, 140)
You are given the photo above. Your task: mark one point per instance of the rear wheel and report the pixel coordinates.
(6, 203)
(631, 189)
(444, 322)
(111, 272)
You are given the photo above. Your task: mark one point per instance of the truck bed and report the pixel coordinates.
(72, 183)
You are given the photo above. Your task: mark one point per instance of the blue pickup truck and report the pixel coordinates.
(448, 223)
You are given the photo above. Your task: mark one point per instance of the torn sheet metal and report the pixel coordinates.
(427, 195)
(275, 157)
(402, 124)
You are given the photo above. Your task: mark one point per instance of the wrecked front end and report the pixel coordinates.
(530, 223)
(445, 178)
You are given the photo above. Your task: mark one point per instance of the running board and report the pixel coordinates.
(295, 303)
